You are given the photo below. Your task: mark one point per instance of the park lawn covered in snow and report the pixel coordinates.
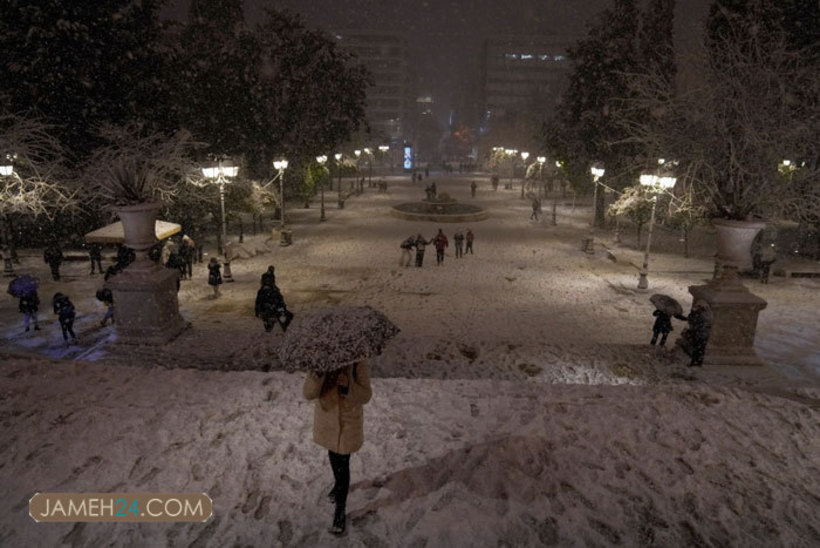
(520, 403)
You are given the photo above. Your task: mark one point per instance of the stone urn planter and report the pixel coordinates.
(734, 308)
(145, 293)
(734, 241)
(138, 226)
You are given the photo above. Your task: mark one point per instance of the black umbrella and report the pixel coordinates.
(329, 339)
(667, 304)
(23, 285)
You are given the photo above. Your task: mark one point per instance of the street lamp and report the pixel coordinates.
(322, 159)
(281, 166)
(7, 170)
(369, 167)
(597, 173)
(220, 174)
(383, 149)
(654, 184)
(338, 157)
(358, 153)
(524, 156)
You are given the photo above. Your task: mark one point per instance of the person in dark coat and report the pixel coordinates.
(700, 327)
(176, 263)
(106, 296)
(662, 326)
(469, 240)
(95, 256)
(53, 256)
(419, 245)
(215, 276)
(186, 253)
(64, 309)
(28, 306)
(269, 276)
(473, 186)
(270, 306)
(125, 256)
(440, 242)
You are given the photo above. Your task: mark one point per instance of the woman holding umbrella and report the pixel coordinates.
(333, 345)
(338, 424)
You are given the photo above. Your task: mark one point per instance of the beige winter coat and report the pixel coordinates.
(338, 421)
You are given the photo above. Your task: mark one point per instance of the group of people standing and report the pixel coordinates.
(696, 335)
(440, 242)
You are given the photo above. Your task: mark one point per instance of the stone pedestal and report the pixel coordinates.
(145, 300)
(734, 320)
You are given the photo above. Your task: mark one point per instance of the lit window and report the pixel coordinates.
(526, 56)
(559, 58)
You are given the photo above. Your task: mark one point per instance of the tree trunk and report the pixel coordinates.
(600, 204)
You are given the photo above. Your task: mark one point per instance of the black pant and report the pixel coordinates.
(439, 256)
(419, 257)
(459, 250)
(55, 270)
(98, 262)
(340, 464)
(655, 337)
(469, 248)
(698, 350)
(67, 325)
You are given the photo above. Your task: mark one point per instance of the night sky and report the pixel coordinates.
(445, 37)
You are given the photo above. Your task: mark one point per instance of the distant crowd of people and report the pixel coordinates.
(439, 242)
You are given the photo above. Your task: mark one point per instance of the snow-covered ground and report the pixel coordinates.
(519, 405)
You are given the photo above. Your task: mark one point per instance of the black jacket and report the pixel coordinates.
(269, 302)
(29, 303)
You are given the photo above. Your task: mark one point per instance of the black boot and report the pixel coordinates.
(331, 496)
(338, 527)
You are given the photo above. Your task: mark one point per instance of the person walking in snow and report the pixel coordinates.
(53, 256)
(28, 306)
(186, 252)
(419, 245)
(64, 309)
(700, 327)
(270, 306)
(338, 425)
(458, 238)
(473, 186)
(662, 326)
(95, 256)
(406, 247)
(215, 276)
(469, 240)
(440, 242)
(106, 296)
(536, 209)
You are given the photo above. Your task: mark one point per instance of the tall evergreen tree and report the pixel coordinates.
(81, 64)
(586, 126)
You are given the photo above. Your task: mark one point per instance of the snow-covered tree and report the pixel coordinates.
(755, 106)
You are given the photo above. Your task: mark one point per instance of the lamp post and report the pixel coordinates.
(338, 157)
(220, 174)
(358, 154)
(383, 149)
(597, 173)
(654, 183)
(369, 153)
(322, 159)
(524, 156)
(281, 166)
(7, 170)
